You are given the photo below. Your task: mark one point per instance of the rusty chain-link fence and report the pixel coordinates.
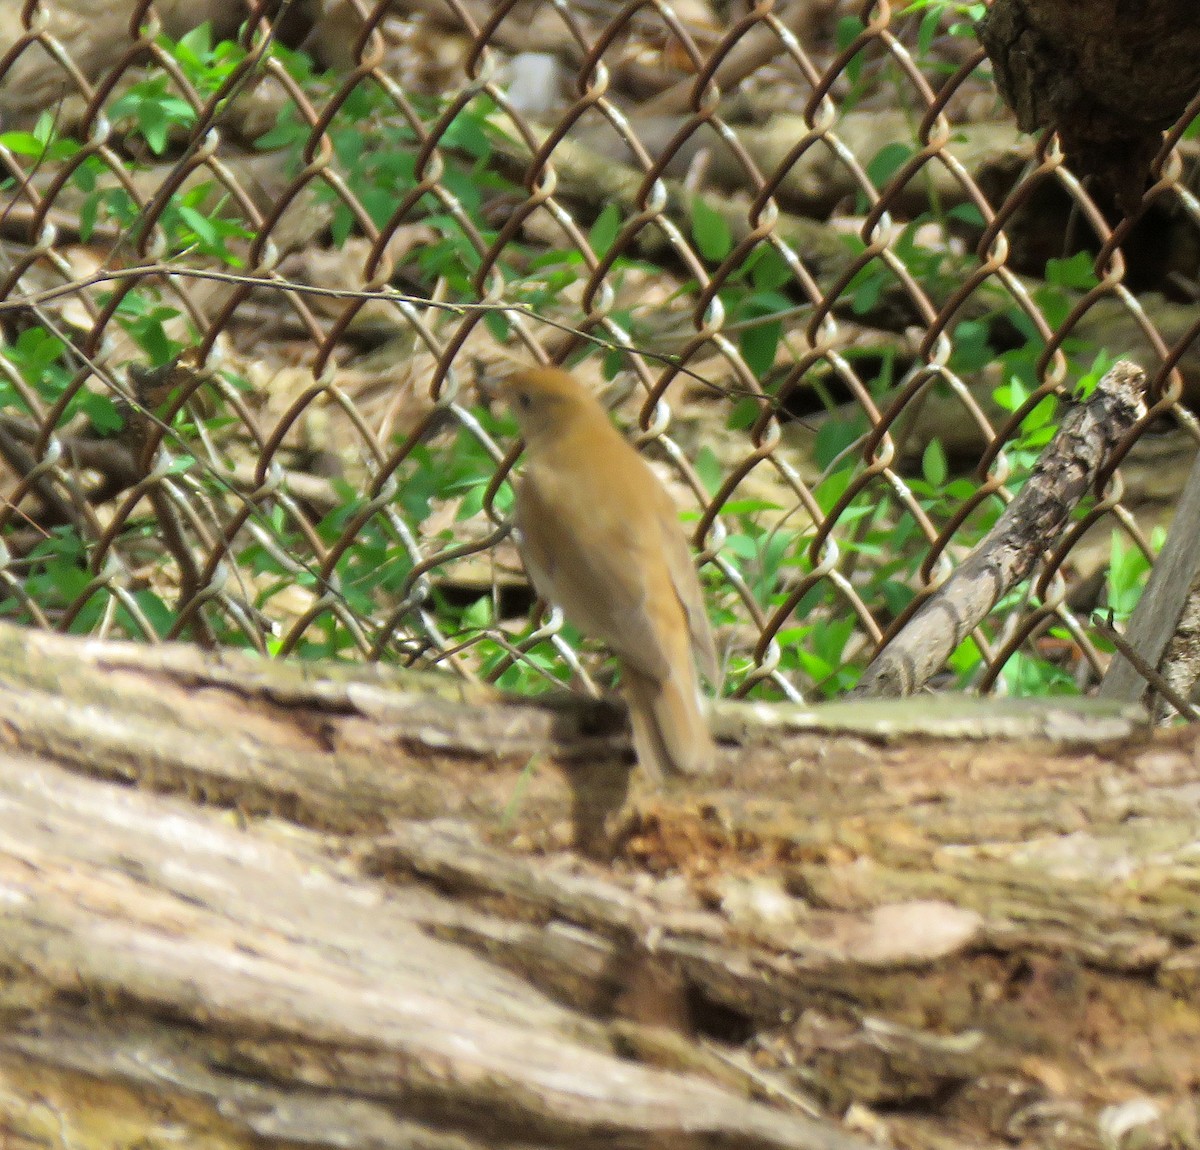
(253, 270)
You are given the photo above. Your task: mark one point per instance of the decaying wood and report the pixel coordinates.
(1006, 556)
(1165, 609)
(1181, 660)
(252, 902)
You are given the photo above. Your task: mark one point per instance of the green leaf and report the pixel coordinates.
(1042, 418)
(466, 131)
(896, 596)
(833, 488)
(968, 214)
(155, 126)
(1076, 272)
(708, 468)
(196, 44)
(101, 412)
(928, 30)
(341, 225)
(887, 162)
(972, 351)
(933, 463)
(478, 615)
(44, 128)
(497, 324)
(504, 500)
(289, 132)
(866, 288)
(759, 345)
(743, 414)
(23, 143)
(613, 362)
(748, 506)
(604, 230)
(835, 435)
(472, 501)
(160, 616)
(202, 225)
(710, 231)
(770, 270)
(1087, 382)
(743, 546)
(1054, 304)
(1012, 394)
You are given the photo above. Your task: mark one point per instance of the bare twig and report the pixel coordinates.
(1171, 697)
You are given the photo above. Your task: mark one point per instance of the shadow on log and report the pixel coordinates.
(270, 904)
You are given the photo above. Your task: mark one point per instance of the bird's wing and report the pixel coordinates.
(687, 586)
(603, 589)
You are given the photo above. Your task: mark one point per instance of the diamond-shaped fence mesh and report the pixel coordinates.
(252, 271)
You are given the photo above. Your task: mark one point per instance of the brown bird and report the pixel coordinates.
(601, 539)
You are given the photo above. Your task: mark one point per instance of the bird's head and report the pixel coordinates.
(547, 402)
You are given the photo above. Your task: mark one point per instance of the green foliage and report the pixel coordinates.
(962, 17)
(41, 362)
(710, 231)
(42, 145)
(880, 540)
(769, 550)
(1128, 570)
(53, 575)
(888, 161)
(604, 230)
(848, 29)
(751, 297)
(377, 152)
(152, 111)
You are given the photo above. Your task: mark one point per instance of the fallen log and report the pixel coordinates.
(254, 902)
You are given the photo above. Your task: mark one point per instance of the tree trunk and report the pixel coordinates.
(1108, 75)
(271, 904)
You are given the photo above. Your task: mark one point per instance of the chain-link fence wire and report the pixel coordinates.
(249, 285)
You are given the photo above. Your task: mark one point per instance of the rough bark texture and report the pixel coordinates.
(1031, 524)
(1163, 628)
(1108, 75)
(253, 903)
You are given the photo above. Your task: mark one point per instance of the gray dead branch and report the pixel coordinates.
(1163, 630)
(1032, 524)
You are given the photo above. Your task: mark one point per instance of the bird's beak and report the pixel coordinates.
(492, 386)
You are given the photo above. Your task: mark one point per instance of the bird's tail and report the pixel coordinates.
(670, 732)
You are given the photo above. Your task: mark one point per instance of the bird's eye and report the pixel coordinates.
(524, 402)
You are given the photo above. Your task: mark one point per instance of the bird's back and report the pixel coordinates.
(596, 518)
(601, 539)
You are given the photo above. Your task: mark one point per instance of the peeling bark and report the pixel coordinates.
(358, 906)
(1108, 76)
(1080, 451)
